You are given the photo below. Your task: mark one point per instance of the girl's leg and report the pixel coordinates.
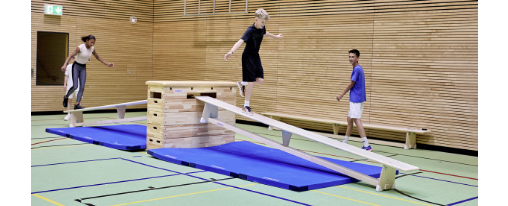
(82, 80)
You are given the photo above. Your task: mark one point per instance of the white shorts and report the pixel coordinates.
(74, 94)
(355, 110)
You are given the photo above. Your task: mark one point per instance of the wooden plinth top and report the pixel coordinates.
(191, 83)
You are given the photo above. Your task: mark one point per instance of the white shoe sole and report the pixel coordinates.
(250, 114)
(240, 89)
(247, 113)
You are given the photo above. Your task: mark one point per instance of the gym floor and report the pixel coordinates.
(69, 172)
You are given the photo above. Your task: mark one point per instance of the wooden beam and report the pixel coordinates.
(312, 136)
(107, 106)
(317, 160)
(111, 121)
(374, 126)
(357, 139)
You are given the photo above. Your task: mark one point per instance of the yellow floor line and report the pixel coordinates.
(56, 203)
(345, 198)
(63, 146)
(372, 193)
(182, 195)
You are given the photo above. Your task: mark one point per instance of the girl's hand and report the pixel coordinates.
(279, 36)
(110, 65)
(226, 57)
(63, 68)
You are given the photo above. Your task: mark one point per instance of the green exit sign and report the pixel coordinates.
(53, 9)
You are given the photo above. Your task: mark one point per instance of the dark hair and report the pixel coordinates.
(85, 38)
(355, 51)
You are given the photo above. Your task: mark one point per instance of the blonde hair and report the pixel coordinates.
(262, 14)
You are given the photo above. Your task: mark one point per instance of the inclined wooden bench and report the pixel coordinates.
(410, 132)
(77, 115)
(390, 166)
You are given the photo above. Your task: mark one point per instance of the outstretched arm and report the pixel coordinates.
(235, 47)
(102, 60)
(69, 58)
(273, 36)
(349, 86)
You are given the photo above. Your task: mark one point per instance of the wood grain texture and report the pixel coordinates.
(420, 58)
(128, 45)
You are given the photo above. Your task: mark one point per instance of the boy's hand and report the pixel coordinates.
(63, 68)
(110, 65)
(278, 36)
(65, 87)
(339, 97)
(226, 57)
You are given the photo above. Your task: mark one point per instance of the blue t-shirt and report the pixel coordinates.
(253, 37)
(357, 93)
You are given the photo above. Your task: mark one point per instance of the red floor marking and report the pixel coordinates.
(50, 140)
(377, 162)
(449, 174)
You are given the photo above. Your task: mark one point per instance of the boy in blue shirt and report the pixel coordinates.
(357, 97)
(252, 71)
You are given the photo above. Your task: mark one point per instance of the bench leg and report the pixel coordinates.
(210, 111)
(121, 111)
(335, 129)
(286, 136)
(76, 117)
(410, 140)
(387, 179)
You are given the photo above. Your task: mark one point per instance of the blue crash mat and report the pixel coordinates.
(123, 137)
(264, 165)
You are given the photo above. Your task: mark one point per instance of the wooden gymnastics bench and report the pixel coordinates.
(77, 115)
(410, 132)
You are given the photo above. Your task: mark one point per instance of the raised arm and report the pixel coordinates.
(273, 36)
(349, 86)
(102, 60)
(235, 47)
(69, 58)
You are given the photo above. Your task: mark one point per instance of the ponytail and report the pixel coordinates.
(85, 38)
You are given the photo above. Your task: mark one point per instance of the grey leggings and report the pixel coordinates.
(78, 72)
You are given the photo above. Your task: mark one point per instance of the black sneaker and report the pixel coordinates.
(66, 100)
(78, 106)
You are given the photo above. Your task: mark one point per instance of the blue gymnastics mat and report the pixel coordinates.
(264, 165)
(123, 137)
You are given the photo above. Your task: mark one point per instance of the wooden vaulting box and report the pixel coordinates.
(174, 114)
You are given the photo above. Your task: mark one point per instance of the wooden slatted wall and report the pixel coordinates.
(128, 45)
(419, 57)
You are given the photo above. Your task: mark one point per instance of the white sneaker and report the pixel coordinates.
(246, 110)
(240, 88)
(66, 118)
